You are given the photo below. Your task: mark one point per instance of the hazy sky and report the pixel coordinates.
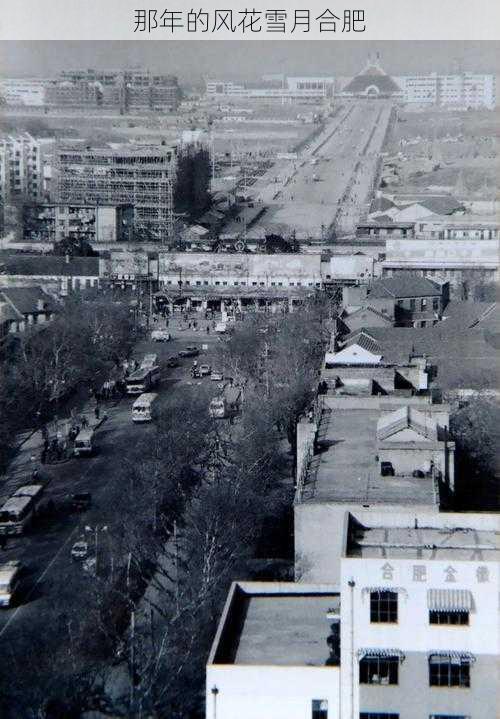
(192, 60)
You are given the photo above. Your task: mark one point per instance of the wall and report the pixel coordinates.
(271, 692)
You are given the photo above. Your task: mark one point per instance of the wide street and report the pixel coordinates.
(331, 180)
(45, 549)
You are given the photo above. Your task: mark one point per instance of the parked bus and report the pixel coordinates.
(9, 581)
(18, 511)
(142, 380)
(143, 407)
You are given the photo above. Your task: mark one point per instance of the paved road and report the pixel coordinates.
(336, 172)
(45, 550)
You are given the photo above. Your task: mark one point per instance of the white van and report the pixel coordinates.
(84, 443)
(143, 407)
(9, 581)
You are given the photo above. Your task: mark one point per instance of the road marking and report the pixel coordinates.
(47, 568)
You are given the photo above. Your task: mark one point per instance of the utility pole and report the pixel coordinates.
(132, 660)
(176, 549)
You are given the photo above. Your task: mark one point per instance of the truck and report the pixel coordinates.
(227, 404)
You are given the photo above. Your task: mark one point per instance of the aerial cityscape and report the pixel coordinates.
(249, 401)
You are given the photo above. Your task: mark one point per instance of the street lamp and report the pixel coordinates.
(96, 531)
(215, 692)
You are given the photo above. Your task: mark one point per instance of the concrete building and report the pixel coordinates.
(466, 264)
(21, 173)
(276, 654)
(418, 301)
(461, 91)
(23, 92)
(51, 223)
(372, 83)
(141, 176)
(123, 90)
(414, 603)
(281, 88)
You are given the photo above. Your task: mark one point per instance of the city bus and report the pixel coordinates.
(143, 407)
(9, 581)
(142, 380)
(17, 512)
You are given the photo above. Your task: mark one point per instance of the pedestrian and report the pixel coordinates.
(97, 411)
(85, 422)
(3, 541)
(166, 322)
(208, 329)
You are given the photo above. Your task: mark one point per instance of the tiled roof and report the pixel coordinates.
(7, 312)
(25, 299)
(366, 342)
(371, 310)
(438, 204)
(381, 204)
(51, 265)
(401, 286)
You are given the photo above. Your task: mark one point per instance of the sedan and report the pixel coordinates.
(79, 550)
(189, 352)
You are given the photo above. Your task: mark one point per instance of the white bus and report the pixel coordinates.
(17, 512)
(143, 407)
(142, 380)
(9, 581)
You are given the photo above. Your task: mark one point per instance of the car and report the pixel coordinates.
(79, 550)
(160, 336)
(190, 351)
(172, 361)
(204, 370)
(81, 501)
(216, 376)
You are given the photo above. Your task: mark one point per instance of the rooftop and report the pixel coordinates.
(51, 265)
(25, 299)
(424, 543)
(345, 469)
(404, 286)
(276, 624)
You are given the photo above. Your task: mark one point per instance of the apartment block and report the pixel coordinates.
(462, 90)
(141, 176)
(20, 167)
(51, 223)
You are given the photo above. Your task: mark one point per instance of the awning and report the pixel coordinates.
(377, 653)
(449, 600)
(454, 657)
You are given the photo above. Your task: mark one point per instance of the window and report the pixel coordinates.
(198, 282)
(254, 284)
(435, 303)
(383, 607)
(217, 282)
(438, 617)
(412, 304)
(319, 709)
(205, 282)
(423, 304)
(378, 670)
(449, 671)
(378, 715)
(448, 716)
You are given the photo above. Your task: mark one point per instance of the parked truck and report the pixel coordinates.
(227, 404)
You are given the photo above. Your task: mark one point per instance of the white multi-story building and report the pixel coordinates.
(410, 632)
(465, 90)
(20, 167)
(287, 89)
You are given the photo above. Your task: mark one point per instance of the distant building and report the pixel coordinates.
(141, 176)
(285, 89)
(123, 90)
(23, 92)
(372, 83)
(96, 224)
(418, 301)
(21, 172)
(59, 275)
(462, 91)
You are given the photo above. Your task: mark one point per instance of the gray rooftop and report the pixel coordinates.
(285, 630)
(346, 469)
(425, 543)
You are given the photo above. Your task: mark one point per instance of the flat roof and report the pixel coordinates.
(277, 624)
(424, 543)
(347, 471)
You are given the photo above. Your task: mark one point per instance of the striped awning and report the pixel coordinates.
(377, 653)
(449, 600)
(454, 657)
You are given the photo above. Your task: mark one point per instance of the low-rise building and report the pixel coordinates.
(24, 307)
(60, 275)
(95, 223)
(418, 301)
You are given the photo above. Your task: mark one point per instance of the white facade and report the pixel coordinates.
(292, 88)
(20, 167)
(20, 91)
(465, 90)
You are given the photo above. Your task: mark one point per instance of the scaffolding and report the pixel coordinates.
(139, 176)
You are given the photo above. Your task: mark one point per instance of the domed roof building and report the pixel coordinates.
(373, 82)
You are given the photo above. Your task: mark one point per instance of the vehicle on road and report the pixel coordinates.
(161, 336)
(173, 361)
(83, 446)
(315, 178)
(216, 376)
(227, 404)
(190, 351)
(204, 370)
(81, 501)
(143, 409)
(149, 360)
(221, 327)
(142, 380)
(80, 550)
(9, 581)
(18, 511)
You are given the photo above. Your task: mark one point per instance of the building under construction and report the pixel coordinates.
(126, 90)
(140, 176)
